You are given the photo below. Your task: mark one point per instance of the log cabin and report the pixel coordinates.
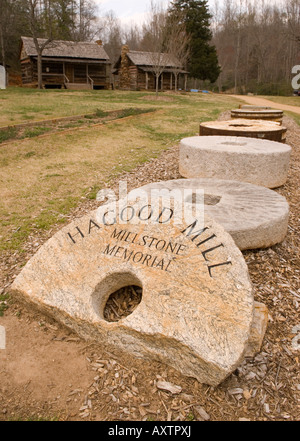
(66, 64)
(136, 70)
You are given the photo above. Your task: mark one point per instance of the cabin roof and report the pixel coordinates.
(66, 49)
(149, 59)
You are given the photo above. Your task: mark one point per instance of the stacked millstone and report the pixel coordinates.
(251, 107)
(257, 161)
(254, 114)
(250, 128)
(236, 164)
(254, 216)
(195, 310)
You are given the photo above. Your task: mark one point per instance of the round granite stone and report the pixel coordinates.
(251, 128)
(268, 115)
(255, 217)
(257, 161)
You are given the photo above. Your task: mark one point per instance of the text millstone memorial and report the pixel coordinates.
(197, 308)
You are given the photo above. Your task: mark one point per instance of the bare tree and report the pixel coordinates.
(292, 10)
(154, 40)
(132, 37)
(87, 17)
(177, 44)
(111, 34)
(4, 20)
(257, 44)
(35, 10)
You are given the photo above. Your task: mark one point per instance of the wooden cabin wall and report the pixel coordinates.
(53, 67)
(133, 75)
(100, 74)
(27, 71)
(141, 79)
(151, 81)
(30, 73)
(80, 73)
(55, 74)
(165, 81)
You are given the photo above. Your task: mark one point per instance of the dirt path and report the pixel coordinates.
(253, 100)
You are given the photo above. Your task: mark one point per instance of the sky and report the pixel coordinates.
(129, 11)
(135, 11)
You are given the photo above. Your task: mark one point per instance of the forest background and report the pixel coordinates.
(250, 46)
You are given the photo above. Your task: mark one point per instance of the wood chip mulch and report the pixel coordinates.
(263, 388)
(122, 303)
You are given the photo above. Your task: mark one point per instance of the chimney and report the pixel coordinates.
(125, 49)
(124, 73)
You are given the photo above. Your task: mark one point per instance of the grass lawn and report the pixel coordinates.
(19, 105)
(287, 100)
(295, 116)
(43, 178)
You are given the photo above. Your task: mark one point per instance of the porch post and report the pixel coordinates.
(147, 80)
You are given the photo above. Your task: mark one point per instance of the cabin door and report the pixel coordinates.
(69, 72)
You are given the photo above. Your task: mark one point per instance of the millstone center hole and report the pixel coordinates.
(240, 125)
(234, 143)
(209, 199)
(122, 303)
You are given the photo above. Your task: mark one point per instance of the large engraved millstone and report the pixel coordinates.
(197, 304)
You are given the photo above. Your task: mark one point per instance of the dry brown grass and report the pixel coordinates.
(43, 178)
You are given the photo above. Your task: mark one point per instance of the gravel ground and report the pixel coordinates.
(113, 386)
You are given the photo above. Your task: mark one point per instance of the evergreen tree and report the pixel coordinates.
(203, 59)
(64, 16)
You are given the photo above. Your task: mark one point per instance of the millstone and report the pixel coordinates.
(257, 161)
(269, 115)
(254, 216)
(251, 128)
(251, 107)
(196, 309)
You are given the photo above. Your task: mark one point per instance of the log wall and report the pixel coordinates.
(53, 73)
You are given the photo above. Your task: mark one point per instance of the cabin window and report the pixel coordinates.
(53, 68)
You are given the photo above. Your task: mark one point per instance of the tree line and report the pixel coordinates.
(241, 46)
(182, 30)
(258, 43)
(73, 20)
(237, 45)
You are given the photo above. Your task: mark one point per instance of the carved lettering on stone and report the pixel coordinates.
(197, 302)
